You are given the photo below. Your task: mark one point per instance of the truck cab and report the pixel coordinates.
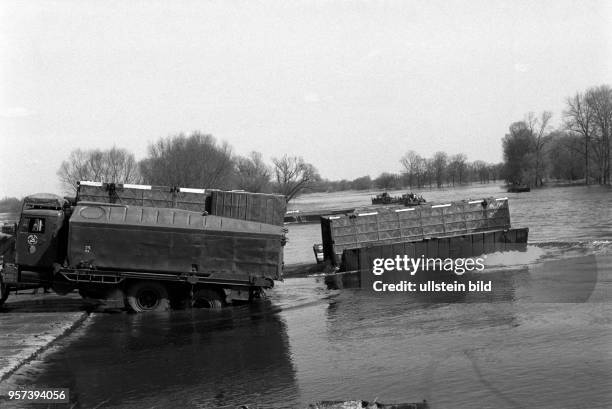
(40, 240)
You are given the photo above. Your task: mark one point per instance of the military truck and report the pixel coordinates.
(148, 248)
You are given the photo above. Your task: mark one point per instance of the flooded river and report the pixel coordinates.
(547, 343)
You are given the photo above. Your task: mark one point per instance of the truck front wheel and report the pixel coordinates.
(145, 296)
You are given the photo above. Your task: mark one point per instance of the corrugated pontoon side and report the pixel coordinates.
(388, 226)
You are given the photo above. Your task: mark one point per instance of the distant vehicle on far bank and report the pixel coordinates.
(407, 199)
(518, 188)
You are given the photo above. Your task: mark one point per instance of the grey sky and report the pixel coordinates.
(348, 85)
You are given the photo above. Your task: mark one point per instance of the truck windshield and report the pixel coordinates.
(37, 225)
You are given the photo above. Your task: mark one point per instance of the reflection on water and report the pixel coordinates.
(510, 354)
(182, 359)
(509, 277)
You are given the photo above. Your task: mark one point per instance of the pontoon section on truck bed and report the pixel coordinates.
(258, 207)
(173, 244)
(207, 235)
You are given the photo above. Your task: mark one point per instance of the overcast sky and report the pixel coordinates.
(348, 85)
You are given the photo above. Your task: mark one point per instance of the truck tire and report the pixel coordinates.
(146, 296)
(4, 293)
(207, 298)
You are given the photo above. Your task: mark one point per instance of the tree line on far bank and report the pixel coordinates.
(197, 161)
(579, 150)
(420, 172)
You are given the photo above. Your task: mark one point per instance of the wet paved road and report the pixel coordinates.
(29, 323)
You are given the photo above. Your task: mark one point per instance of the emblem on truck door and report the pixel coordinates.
(32, 240)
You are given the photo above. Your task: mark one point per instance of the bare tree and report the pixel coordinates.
(361, 183)
(411, 163)
(457, 166)
(253, 174)
(481, 169)
(495, 170)
(519, 155)
(600, 101)
(579, 119)
(566, 156)
(293, 176)
(387, 180)
(439, 162)
(113, 166)
(422, 169)
(589, 115)
(196, 160)
(538, 127)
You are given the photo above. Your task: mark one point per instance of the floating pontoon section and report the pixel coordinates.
(412, 224)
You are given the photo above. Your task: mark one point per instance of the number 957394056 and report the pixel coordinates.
(49, 395)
